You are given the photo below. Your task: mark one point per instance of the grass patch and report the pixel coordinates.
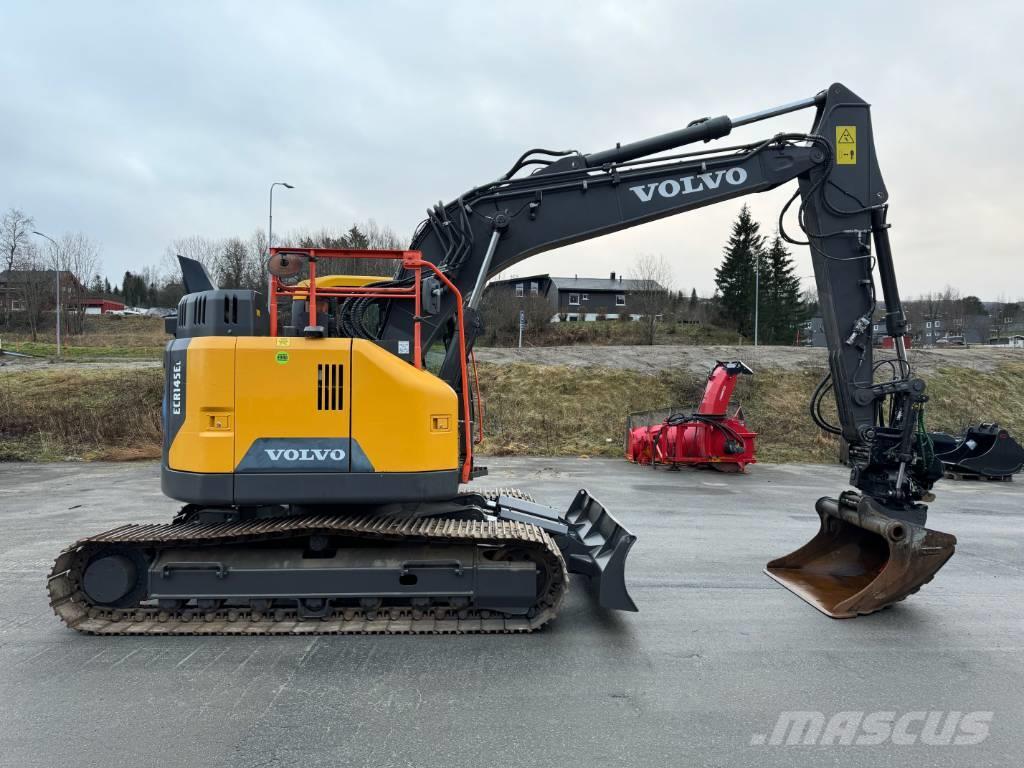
(84, 354)
(530, 409)
(567, 411)
(105, 338)
(54, 415)
(620, 332)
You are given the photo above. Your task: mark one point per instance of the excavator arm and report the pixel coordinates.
(872, 548)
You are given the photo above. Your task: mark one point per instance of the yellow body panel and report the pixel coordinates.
(244, 389)
(277, 387)
(405, 419)
(205, 442)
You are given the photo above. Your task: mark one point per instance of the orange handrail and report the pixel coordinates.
(414, 262)
(479, 400)
(467, 464)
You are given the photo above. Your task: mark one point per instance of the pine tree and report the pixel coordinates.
(355, 238)
(133, 289)
(735, 276)
(783, 309)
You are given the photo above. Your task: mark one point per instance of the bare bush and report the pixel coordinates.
(650, 295)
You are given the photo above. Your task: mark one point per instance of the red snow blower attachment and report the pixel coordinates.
(706, 437)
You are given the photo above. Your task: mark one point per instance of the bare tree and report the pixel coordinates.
(257, 253)
(242, 263)
(952, 311)
(77, 260)
(381, 237)
(36, 285)
(649, 292)
(232, 264)
(361, 235)
(205, 250)
(935, 314)
(15, 228)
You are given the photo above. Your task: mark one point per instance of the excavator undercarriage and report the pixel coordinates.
(491, 561)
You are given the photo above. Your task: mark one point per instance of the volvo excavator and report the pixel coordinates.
(322, 438)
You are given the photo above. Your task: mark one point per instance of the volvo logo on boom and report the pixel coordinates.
(687, 185)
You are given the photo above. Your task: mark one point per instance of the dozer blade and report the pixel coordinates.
(861, 559)
(592, 541)
(597, 545)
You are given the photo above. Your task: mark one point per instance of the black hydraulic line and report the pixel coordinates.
(704, 130)
(895, 320)
(679, 419)
(527, 159)
(815, 406)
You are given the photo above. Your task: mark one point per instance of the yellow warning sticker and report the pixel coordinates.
(846, 145)
(284, 342)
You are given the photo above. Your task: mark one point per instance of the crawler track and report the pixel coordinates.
(75, 609)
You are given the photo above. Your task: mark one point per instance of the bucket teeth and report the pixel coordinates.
(861, 559)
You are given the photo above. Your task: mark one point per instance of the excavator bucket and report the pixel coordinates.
(986, 450)
(861, 560)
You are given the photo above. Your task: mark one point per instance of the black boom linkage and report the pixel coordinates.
(551, 199)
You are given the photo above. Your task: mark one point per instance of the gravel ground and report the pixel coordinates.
(641, 358)
(700, 359)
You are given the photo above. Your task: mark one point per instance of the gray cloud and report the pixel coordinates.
(140, 123)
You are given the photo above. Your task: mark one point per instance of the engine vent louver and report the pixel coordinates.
(330, 387)
(231, 310)
(199, 310)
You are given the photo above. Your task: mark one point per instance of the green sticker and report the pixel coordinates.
(281, 357)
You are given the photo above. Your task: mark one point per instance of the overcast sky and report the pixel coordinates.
(138, 123)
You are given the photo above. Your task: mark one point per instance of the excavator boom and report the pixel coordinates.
(548, 200)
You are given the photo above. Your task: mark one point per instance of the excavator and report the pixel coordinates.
(322, 438)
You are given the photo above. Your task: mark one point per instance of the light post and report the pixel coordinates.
(270, 233)
(757, 291)
(56, 264)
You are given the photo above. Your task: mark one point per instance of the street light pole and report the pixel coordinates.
(757, 291)
(56, 264)
(270, 232)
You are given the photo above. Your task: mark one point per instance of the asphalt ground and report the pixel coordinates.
(699, 677)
